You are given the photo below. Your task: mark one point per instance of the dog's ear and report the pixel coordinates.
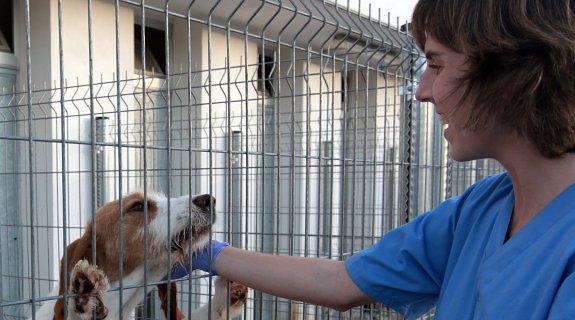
(172, 295)
(77, 250)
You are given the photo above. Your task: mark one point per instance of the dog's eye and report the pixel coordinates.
(137, 207)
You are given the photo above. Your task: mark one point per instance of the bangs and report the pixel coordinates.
(437, 18)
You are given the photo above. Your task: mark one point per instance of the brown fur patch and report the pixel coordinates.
(175, 313)
(107, 228)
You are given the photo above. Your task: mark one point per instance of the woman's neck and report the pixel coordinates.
(537, 180)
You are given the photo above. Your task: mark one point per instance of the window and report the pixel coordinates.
(155, 51)
(266, 66)
(6, 26)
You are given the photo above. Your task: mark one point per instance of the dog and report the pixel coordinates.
(189, 224)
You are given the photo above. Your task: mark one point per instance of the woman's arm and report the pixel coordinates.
(316, 281)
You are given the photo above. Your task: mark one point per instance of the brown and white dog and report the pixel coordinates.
(189, 224)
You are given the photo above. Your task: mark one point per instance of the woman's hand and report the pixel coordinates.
(202, 260)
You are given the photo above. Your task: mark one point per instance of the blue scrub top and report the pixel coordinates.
(455, 258)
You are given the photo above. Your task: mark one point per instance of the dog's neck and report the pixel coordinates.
(135, 293)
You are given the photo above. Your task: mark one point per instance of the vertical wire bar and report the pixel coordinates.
(278, 153)
(319, 211)
(262, 74)
(292, 148)
(390, 129)
(30, 157)
(169, 143)
(306, 81)
(307, 161)
(261, 78)
(292, 143)
(145, 153)
(395, 155)
(386, 202)
(354, 160)
(354, 145)
(374, 168)
(278, 156)
(332, 162)
(210, 143)
(375, 141)
(365, 142)
(63, 155)
(190, 138)
(247, 135)
(229, 143)
(277, 161)
(396, 163)
(265, 226)
(120, 159)
(384, 191)
(344, 222)
(342, 195)
(93, 164)
(332, 151)
(79, 155)
(365, 131)
(229, 148)
(410, 104)
(292, 162)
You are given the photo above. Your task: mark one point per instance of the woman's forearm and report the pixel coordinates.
(316, 281)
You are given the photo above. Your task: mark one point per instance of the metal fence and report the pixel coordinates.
(298, 116)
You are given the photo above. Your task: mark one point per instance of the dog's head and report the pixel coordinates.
(168, 226)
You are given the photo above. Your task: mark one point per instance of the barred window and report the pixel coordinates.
(266, 66)
(155, 51)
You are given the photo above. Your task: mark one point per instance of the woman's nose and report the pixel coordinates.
(424, 92)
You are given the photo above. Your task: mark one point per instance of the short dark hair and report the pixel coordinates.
(522, 63)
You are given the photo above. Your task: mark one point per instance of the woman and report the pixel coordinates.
(501, 75)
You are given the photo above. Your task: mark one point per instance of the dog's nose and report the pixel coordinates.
(205, 202)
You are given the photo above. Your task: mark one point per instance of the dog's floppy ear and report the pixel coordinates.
(77, 250)
(175, 313)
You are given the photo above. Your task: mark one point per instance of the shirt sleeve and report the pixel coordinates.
(563, 306)
(404, 270)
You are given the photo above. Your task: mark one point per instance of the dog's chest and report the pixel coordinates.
(132, 293)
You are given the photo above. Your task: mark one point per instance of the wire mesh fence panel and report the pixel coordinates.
(299, 117)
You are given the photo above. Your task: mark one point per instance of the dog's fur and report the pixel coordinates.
(189, 224)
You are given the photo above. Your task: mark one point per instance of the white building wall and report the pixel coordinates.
(45, 57)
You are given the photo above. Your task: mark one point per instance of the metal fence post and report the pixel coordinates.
(236, 193)
(101, 128)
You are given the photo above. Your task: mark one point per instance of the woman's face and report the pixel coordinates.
(439, 85)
